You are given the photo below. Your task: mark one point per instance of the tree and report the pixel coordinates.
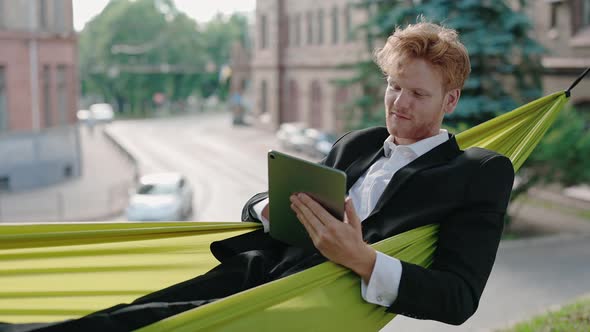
(562, 155)
(505, 60)
(220, 33)
(135, 49)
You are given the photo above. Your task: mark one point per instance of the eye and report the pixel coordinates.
(393, 86)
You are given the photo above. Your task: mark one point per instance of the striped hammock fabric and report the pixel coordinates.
(52, 272)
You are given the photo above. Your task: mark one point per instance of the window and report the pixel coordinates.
(586, 15)
(335, 25)
(309, 28)
(291, 33)
(298, 29)
(263, 96)
(42, 12)
(4, 183)
(62, 94)
(285, 34)
(320, 26)
(553, 12)
(47, 95)
(580, 14)
(3, 104)
(263, 32)
(1, 13)
(59, 14)
(348, 22)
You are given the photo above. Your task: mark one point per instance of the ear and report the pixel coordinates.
(451, 100)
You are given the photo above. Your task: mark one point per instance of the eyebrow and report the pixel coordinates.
(420, 90)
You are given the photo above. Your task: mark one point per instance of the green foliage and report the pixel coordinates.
(573, 317)
(134, 49)
(562, 155)
(505, 60)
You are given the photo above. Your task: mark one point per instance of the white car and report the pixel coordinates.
(83, 115)
(161, 197)
(290, 135)
(102, 112)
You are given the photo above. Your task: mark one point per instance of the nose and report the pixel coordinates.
(402, 101)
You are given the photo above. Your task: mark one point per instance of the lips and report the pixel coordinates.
(400, 115)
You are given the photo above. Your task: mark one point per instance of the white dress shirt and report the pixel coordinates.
(383, 285)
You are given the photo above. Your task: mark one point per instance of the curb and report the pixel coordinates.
(110, 137)
(541, 240)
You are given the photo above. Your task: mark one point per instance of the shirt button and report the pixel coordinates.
(379, 299)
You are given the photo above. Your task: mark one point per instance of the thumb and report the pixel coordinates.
(351, 216)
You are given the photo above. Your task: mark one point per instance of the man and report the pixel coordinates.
(406, 175)
(411, 174)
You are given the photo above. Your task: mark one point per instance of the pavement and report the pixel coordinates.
(99, 194)
(530, 276)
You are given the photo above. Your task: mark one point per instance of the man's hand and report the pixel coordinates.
(340, 242)
(265, 212)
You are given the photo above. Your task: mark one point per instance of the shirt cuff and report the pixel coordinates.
(383, 285)
(258, 207)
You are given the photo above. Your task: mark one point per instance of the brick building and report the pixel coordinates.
(563, 27)
(38, 93)
(299, 47)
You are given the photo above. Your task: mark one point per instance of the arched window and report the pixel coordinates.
(341, 112)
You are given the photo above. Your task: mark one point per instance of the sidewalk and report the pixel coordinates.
(100, 193)
(547, 210)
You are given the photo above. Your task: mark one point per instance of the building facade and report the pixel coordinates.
(300, 46)
(563, 28)
(39, 143)
(298, 52)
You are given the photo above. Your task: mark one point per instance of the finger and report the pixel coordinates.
(319, 211)
(351, 216)
(310, 226)
(310, 216)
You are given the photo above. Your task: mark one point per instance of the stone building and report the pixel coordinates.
(563, 28)
(298, 50)
(300, 46)
(38, 93)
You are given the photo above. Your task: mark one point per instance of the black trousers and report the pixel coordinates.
(240, 272)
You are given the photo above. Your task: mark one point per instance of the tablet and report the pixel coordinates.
(288, 175)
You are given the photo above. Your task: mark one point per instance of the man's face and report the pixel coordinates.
(415, 101)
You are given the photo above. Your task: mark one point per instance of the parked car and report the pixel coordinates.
(324, 144)
(290, 135)
(161, 197)
(83, 116)
(102, 113)
(317, 143)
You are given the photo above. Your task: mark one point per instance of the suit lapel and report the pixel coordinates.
(360, 166)
(439, 155)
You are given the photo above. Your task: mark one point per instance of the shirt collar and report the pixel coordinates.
(419, 148)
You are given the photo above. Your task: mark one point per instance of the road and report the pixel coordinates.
(529, 277)
(226, 165)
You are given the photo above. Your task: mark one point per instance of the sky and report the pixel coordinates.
(200, 10)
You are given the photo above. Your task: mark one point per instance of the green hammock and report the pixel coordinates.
(52, 272)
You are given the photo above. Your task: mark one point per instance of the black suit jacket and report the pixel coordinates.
(465, 192)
